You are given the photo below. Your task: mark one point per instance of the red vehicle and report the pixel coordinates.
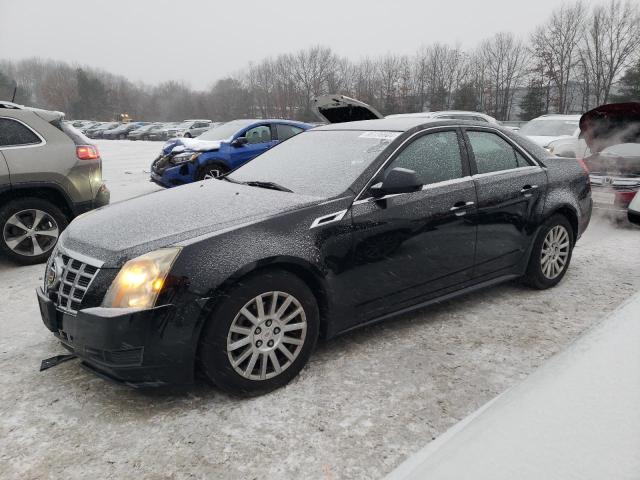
(612, 133)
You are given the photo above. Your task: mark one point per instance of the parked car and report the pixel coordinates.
(143, 132)
(189, 128)
(162, 133)
(612, 134)
(121, 131)
(98, 131)
(338, 227)
(49, 174)
(548, 128)
(450, 114)
(219, 150)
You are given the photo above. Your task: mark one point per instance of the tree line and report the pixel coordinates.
(580, 57)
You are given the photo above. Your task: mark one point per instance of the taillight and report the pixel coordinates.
(583, 165)
(87, 152)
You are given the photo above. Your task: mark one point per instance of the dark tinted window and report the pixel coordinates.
(493, 153)
(435, 157)
(286, 131)
(14, 133)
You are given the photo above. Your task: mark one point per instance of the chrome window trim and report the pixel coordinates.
(491, 129)
(26, 145)
(508, 170)
(392, 155)
(428, 186)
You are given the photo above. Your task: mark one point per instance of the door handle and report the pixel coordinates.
(527, 190)
(461, 208)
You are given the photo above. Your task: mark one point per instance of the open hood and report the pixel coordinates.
(611, 124)
(340, 109)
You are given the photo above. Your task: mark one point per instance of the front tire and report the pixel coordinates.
(551, 253)
(29, 229)
(261, 334)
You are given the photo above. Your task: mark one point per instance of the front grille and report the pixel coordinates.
(73, 278)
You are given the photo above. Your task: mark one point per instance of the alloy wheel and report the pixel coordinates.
(267, 335)
(555, 252)
(30, 232)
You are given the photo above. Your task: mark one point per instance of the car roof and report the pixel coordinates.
(400, 124)
(557, 116)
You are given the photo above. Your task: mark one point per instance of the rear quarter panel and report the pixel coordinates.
(569, 189)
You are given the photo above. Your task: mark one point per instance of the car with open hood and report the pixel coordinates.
(337, 227)
(219, 150)
(612, 135)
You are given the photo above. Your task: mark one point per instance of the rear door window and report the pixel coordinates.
(14, 133)
(493, 153)
(287, 131)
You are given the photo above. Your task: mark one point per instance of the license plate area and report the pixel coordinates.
(603, 197)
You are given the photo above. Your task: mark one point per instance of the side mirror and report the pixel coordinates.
(398, 180)
(239, 142)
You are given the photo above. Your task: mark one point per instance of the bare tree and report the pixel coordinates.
(505, 60)
(611, 39)
(556, 44)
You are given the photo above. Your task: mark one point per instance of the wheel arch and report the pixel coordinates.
(301, 268)
(49, 192)
(570, 214)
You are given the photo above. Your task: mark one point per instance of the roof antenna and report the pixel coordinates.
(15, 89)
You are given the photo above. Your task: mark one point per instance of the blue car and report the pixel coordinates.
(219, 150)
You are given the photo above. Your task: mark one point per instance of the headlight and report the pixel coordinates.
(184, 157)
(140, 280)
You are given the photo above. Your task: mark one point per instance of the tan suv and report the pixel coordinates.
(49, 174)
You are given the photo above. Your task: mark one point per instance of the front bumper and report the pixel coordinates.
(140, 348)
(174, 175)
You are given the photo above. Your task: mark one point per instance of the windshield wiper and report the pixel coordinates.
(258, 183)
(271, 185)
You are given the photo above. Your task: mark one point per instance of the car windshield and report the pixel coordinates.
(321, 163)
(225, 131)
(549, 128)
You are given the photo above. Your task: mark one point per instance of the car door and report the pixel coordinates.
(510, 188)
(414, 245)
(259, 140)
(5, 180)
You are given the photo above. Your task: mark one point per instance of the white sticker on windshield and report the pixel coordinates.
(380, 135)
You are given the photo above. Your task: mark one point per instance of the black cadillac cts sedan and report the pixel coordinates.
(340, 226)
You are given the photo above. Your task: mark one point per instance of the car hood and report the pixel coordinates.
(178, 145)
(124, 230)
(339, 109)
(611, 124)
(544, 140)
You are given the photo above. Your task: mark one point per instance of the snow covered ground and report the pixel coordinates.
(365, 402)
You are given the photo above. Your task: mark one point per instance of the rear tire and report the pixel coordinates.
(211, 171)
(551, 253)
(249, 350)
(29, 229)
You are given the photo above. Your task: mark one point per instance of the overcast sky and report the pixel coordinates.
(200, 41)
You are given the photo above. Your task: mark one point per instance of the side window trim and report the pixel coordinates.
(463, 153)
(24, 145)
(472, 160)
